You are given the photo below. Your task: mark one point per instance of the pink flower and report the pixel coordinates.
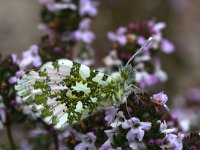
(88, 7)
(137, 129)
(119, 36)
(31, 57)
(110, 114)
(87, 143)
(173, 141)
(160, 97)
(167, 47)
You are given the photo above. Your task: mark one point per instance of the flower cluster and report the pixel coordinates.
(8, 102)
(147, 64)
(187, 112)
(65, 23)
(127, 127)
(30, 59)
(136, 130)
(172, 140)
(143, 121)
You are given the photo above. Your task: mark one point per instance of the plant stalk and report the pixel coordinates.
(56, 143)
(9, 133)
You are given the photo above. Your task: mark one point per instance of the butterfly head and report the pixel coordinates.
(125, 78)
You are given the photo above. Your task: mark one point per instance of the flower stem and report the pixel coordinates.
(55, 135)
(9, 133)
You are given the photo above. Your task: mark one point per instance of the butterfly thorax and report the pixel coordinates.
(123, 80)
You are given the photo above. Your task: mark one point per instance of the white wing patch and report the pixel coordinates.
(98, 79)
(55, 87)
(81, 87)
(62, 121)
(38, 91)
(93, 99)
(52, 102)
(84, 72)
(79, 106)
(65, 67)
(48, 66)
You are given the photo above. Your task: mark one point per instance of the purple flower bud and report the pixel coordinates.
(167, 47)
(122, 40)
(193, 148)
(151, 142)
(57, 49)
(88, 37)
(119, 36)
(19, 73)
(159, 26)
(88, 7)
(158, 142)
(141, 40)
(12, 80)
(13, 102)
(194, 95)
(14, 57)
(121, 30)
(148, 81)
(85, 24)
(34, 49)
(161, 97)
(94, 129)
(111, 36)
(31, 57)
(84, 36)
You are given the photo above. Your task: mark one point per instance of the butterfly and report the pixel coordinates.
(64, 92)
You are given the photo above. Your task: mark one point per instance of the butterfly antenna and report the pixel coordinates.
(139, 50)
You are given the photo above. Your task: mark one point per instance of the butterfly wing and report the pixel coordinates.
(64, 92)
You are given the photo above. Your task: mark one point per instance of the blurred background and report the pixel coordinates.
(19, 29)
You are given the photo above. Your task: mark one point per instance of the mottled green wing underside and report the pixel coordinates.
(64, 92)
